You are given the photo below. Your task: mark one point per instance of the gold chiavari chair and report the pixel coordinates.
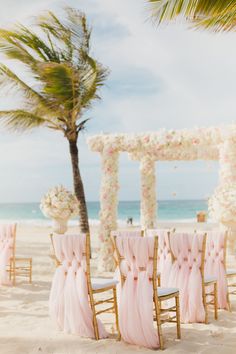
(97, 286)
(19, 266)
(230, 275)
(159, 295)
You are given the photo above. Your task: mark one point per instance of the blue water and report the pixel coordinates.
(167, 209)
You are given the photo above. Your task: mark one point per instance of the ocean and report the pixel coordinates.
(167, 210)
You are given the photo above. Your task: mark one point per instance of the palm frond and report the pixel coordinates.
(20, 120)
(58, 83)
(92, 80)
(217, 15)
(10, 79)
(67, 79)
(13, 49)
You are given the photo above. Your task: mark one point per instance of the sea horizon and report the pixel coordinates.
(178, 209)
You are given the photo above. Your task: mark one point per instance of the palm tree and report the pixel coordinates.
(63, 81)
(216, 15)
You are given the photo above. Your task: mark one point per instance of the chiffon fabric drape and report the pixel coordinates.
(164, 261)
(215, 264)
(6, 251)
(136, 294)
(185, 275)
(68, 303)
(126, 233)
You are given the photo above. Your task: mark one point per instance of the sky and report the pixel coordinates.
(169, 77)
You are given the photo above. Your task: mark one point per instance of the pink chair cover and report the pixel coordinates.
(214, 264)
(6, 251)
(185, 274)
(136, 295)
(164, 261)
(68, 303)
(126, 233)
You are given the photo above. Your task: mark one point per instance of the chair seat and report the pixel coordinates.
(166, 291)
(210, 279)
(231, 271)
(100, 283)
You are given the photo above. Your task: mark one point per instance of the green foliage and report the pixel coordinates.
(216, 15)
(66, 78)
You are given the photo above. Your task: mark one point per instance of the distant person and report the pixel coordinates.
(130, 221)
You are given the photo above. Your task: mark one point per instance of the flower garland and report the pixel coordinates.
(148, 193)
(109, 203)
(59, 203)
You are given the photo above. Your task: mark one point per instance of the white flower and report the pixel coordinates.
(59, 203)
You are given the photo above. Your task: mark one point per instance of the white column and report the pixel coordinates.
(148, 193)
(109, 203)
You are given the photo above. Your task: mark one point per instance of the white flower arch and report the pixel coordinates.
(214, 143)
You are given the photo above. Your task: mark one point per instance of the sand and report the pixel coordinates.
(25, 327)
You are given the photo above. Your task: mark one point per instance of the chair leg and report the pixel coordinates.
(228, 299)
(116, 313)
(159, 280)
(215, 301)
(158, 318)
(14, 272)
(95, 323)
(10, 270)
(205, 303)
(177, 317)
(30, 272)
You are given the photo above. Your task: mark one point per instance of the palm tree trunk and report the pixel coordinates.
(78, 186)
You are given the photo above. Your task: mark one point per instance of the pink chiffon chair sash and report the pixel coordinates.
(7, 233)
(186, 275)
(126, 233)
(164, 260)
(215, 263)
(68, 303)
(136, 294)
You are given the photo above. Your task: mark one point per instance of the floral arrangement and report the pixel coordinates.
(59, 203)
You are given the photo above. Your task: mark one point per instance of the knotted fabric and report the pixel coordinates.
(69, 303)
(164, 261)
(186, 275)
(215, 263)
(136, 294)
(126, 233)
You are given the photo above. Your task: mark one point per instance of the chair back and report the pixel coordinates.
(69, 302)
(164, 259)
(137, 258)
(215, 260)
(7, 249)
(187, 274)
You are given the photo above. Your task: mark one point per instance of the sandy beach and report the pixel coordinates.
(25, 327)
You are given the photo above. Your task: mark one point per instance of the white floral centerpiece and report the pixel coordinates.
(222, 205)
(222, 208)
(60, 205)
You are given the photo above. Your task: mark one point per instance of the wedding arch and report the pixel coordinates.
(214, 143)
